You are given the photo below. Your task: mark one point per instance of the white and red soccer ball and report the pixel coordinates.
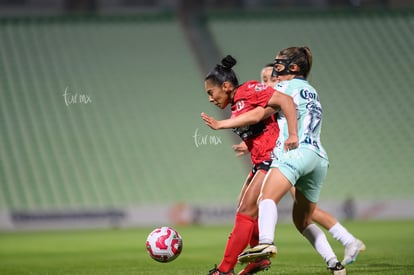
(164, 244)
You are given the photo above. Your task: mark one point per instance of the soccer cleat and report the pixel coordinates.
(260, 264)
(338, 269)
(216, 271)
(352, 251)
(259, 251)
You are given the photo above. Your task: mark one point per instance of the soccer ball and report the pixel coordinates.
(164, 244)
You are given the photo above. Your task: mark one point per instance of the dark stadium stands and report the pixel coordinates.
(105, 112)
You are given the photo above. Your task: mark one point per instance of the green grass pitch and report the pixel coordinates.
(390, 250)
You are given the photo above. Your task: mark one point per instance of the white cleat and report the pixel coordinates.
(352, 251)
(259, 251)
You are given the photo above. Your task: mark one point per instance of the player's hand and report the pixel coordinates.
(240, 149)
(291, 143)
(210, 121)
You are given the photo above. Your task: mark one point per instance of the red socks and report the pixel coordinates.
(239, 238)
(254, 240)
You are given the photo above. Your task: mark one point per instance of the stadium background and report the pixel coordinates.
(100, 106)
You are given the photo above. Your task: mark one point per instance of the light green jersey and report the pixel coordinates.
(309, 112)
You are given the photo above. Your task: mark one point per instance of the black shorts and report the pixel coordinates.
(264, 165)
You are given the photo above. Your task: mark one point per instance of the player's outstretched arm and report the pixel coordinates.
(248, 118)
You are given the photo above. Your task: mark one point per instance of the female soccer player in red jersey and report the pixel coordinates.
(223, 88)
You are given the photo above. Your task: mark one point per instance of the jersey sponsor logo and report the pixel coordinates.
(239, 105)
(313, 107)
(306, 94)
(258, 87)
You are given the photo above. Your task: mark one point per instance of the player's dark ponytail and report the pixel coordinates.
(228, 62)
(224, 72)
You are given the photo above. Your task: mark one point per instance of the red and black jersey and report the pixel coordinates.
(261, 137)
